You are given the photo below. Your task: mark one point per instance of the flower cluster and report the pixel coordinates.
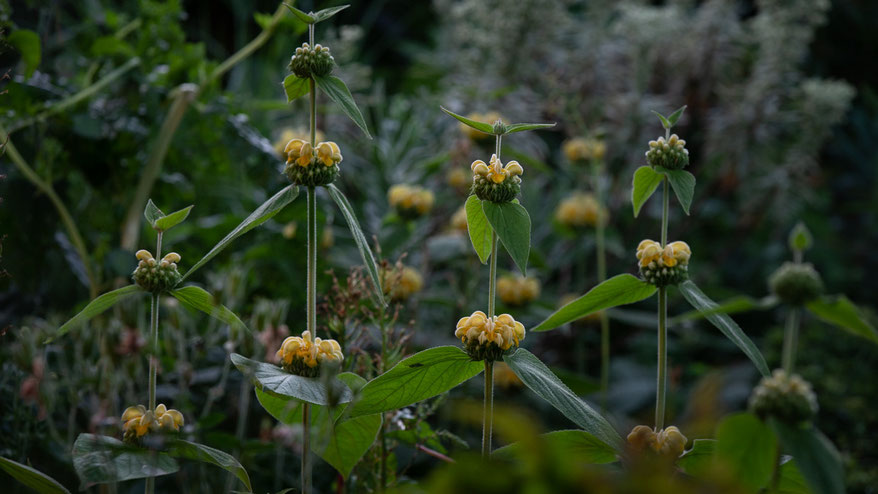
(495, 182)
(788, 398)
(671, 154)
(474, 134)
(488, 338)
(580, 210)
(581, 149)
(137, 421)
(668, 443)
(663, 266)
(410, 201)
(312, 165)
(311, 62)
(796, 283)
(401, 282)
(517, 290)
(302, 355)
(287, 134)
(156, 276)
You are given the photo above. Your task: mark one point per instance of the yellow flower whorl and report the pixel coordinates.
(663, 266)
(301, 156)
(487, 338)
(303, 355)
(495, 182)
(669, 442)
(137, 421)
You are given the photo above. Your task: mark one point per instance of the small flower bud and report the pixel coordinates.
(787, 398)
(671, 154)
(308, 62)
(487, 338)
(156, 277)
(795, 283)
(663, 266)
(143, 254)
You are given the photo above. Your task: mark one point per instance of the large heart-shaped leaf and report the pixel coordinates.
(816, 457)
(747, 449)
(724, 323)
(32, 478)
(338, 92)
(575, 443)
(95, 307)
(103, 460)
(512, 224)
(362, 243)
(205, 454)
(479, 229)
(683, 184)
(274, 380)
(196, 298)
(536, 376)
(646, 180)
(487, 128)
(262, 214)
(417, 378)
(619, 290)
(840, 311)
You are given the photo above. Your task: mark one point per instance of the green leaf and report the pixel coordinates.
(165, 223)
(791, 479)
(272, 379)
(814, 455)
(673, 117)
(646, 180)
(480, 232)
(196, 298)
(487, 128)
(346, 441)
(32, 478)
(733, 305)
(800, 238)
(306, 18)
(417, 378)
(724, 323)
(284, 409)
(362, 243)
(295, 87)
(337, 91)
(262, 214)
(104, 460)
(152, 213)
(95, 307)
(322, 15)
(569, 443)
(840, 311)
(621, 289)
(683, 184)
(747, 448)
(536, 376)
(698, 461)
(521, 127)
(512, 224)
(206, 454)
(665, 123)
(27, 43)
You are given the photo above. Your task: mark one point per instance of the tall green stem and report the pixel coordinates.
(662, 373)
(154, 351)
(312, 262)
(306, 448)
(791, 340)
(492, 276)
(488, 418)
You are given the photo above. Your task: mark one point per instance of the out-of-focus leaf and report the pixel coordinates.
(619, 290)
(27, 43)
(362, 244)
(512, 224)
(480, 232)
(800, 238)
(791, 479)
(673, 117)
(32, 478)
(322, 15)
(747, 447)
(152, 213)
(206, 454)
(665, 123)
(698, 461)
(197, 298)
(814, 455)
(840, 311)
(573, 443)
(304, 17)
(733, 305)
(480, 126)
(274, 380)
(104, 460)
(95, 307)
(338, 92)
(646, 180)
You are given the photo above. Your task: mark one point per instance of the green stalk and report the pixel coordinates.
(488, 419)
(791, 340)
(662, 374)
(153, 357)
(312, 262)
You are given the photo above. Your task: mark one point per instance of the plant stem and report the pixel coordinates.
(791, 340)
(312, 263)
(492, 276)
(306, 448)
(488, 418)
(662, 373)
(665, 207)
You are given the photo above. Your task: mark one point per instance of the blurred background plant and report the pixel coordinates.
(782, 119)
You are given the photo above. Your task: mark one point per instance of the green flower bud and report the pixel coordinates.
(308, 62)
(671, 154)
(495, 182)
(156, 277)
(796, 284)
(312, 166)
(787, 398)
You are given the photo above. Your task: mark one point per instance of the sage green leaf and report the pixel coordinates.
(284, 409)
(362, 243)
(683, 184)
(206, 454)
(665, 123)
(322, 15)
(95, 307)
(791, 479)
(196, 298)
(480, 232)
(536, 376)
(673, 117)
(104, 460)
(347, 440)
(747, 448)
(733, 305)
(169, 221)
(152, 213)
(814, 455)
(840, 311)
(306, 18)
(272, 379)
(724, 323)
(296, 87)
(423, 375)
(646, 180)
(487, 128)
(521, 127)
(698, 461)
(619, 290)
(800, 238)
(338, 92)
(27, 43)
(262, 214)
(569, 443)
(512, 224)
(32, 478)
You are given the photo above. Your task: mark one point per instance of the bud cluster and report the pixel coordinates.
(309, 62)
(488, 338)
(579, 149)
(312, 165)
(495, 182)
(410, 201)
(663, 266)
(517, 290)
(401, 282)
(796, 283)
(303, 355)
(785, 397)
(671, 154)
(138, 421)
(668, 443)
(490, 117)
(580, 210)
(156, 276)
